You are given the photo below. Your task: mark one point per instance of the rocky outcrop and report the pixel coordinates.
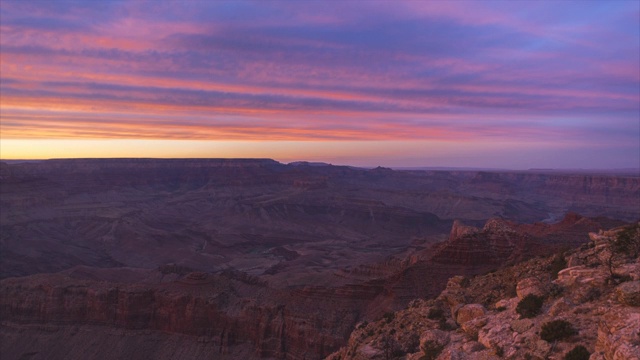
(629, 293)
(529, 286)
(468, 246)
(218, 310)
(603, 315)
(317, 248)
(469, 312)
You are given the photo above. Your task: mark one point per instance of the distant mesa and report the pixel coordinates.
(307, 163)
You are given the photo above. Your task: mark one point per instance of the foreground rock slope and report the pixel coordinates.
(588, 297)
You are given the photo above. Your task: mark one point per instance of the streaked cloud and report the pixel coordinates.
(460, 72)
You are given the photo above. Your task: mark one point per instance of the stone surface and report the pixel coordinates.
(529, 286)
(434, 336)
(521, 325)
(146, 245)
(469, 312)
(628, 293)
(607, 327)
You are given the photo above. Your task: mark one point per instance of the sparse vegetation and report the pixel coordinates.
(625, 245)
(557, 264)
(578, 353)
(620, 278)
(435, 314)
(555, 290)
(391, 347)
(557, 330)
(389, 316)
(529, 306)
(628, 241)
(431, 350)
(444, 325)
(413, 343)
(591, 295)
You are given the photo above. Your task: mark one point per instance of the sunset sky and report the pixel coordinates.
(502, 84)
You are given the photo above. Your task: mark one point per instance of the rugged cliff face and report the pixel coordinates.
(232, 317)
(256, 259)
(233, 313)
(546, 308)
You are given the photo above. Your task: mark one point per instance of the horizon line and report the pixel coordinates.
(392, 167)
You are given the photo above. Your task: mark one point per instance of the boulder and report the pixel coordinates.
(469, 312)
(529, 286)
(472, 327)
(521, 325)
(628, 293)
(434, 337)
(496, 336)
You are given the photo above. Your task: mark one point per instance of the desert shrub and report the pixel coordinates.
(578, 353)
(557, 330)
(627, 241)
(626, 244)
(391, 347)
(431, 350)
(555, 290)
(557, 264)
(592, 294)
(529, 306)
(435, 314)
(616, 278)
(388, 317)
(444, 325)
(413, 343)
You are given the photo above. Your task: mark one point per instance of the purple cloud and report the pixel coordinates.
(453, 71)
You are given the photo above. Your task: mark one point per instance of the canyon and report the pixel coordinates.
(252, 258)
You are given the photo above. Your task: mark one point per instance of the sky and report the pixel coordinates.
(499, 84)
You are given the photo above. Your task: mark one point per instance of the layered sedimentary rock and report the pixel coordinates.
(229, 315)
(257, 259)
(581, 307)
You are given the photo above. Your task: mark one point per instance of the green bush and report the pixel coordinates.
(557, 330)
(530, 306)
(578, 353)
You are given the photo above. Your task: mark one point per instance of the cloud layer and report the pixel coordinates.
(537, 72)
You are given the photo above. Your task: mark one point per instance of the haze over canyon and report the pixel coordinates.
(252, 258)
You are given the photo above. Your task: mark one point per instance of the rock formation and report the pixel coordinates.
(166, 258)
(585, 305)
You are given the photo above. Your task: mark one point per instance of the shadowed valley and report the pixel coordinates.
(251, 258)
